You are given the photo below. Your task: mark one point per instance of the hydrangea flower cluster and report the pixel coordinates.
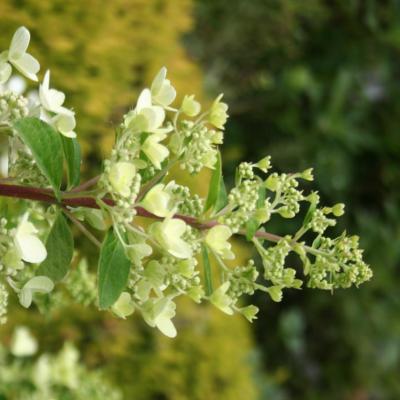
(183, 245)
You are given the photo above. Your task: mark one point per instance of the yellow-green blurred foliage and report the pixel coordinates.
(101, 53)
(210, 358)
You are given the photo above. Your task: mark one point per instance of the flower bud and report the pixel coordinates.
(272, 182)
(196, 293)
(221, 300)
(250, 312)
(308, 174)
(338, 210)
(276, 293)
(190, 106)
(264, 164)
(218, 113)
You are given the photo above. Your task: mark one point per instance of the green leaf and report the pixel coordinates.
(309, 214)
(217, 198)
(207, 271)
(262, 193)
(46, 147)
(72, 154)
(113, 270)
(251, 228)
(60, 247)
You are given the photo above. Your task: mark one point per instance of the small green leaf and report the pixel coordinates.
(309, 214)
(113, 270)
(251, 228)
(207, 270)
(46, 147)
(60, 247)
(72, 154)
(262, 193)
(217, 198)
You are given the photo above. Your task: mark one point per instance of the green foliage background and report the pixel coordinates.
(312, 83)
(316, 83)
(101, 54)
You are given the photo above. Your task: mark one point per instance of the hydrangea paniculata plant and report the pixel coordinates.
(185, 248)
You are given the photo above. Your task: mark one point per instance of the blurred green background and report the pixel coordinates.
(313, 83)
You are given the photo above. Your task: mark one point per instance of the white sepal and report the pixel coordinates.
(37, 284)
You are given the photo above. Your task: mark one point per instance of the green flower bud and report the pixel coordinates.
(286, 213)
(308, 174)
(190, 106)
(196, 293)
(264, 164)
(338, 210)
(262, 215)
(249, 312)
(313, 198)
(221, 300)
(275, 292)
(218, 113)
(272, 182)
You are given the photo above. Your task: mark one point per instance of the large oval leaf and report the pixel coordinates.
(113, 270)
(46, 147)
(60, 247)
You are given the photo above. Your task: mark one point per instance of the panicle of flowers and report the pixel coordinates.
(189, 238)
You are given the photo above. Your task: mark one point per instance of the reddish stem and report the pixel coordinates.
(47, 196)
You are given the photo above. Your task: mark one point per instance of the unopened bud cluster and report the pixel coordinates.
(12, 107)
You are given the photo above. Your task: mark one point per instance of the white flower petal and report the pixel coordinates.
(158, 81)
(121, 175)
(157, 201)
(19, 43)
(27, 65)
(166, 94)
(124, 306)
(217, 239)
(56, 98)
(5, 72)
(40, 284)
(144, 100)
(30, 248)
(155, 116)
(166, 326)
(69, 135)
(156, 152)
(179, 248)
(25, 298)
(172, 231)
